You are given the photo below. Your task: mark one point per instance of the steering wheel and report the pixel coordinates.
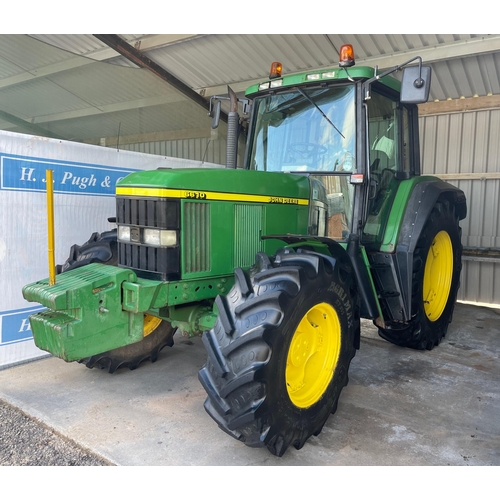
(304, 150)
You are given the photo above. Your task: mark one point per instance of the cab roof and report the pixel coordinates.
(323, 75)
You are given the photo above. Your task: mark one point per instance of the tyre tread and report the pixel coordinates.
(240, 398)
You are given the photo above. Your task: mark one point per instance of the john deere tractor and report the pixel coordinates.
(275, 263)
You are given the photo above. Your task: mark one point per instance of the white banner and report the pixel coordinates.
(84, 198)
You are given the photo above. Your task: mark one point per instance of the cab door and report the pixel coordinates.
(390, 159)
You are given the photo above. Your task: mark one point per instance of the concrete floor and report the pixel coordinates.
(401, 407)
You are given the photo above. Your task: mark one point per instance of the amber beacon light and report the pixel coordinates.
(346, 59)
(276, 70)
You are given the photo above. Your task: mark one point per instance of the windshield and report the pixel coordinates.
(306, 130)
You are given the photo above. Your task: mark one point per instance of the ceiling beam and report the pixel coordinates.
(237, 87)
(437, 53)
(52, 69)
(149, 42)
(137, 57)
(110, 108)
(27, 126)
(429, 55)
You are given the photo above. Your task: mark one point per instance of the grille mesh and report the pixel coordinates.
(196, 239)
(148, 261)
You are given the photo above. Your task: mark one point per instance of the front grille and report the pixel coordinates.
(196, 237)
(247, 233)
(148, 261)
(161, 213)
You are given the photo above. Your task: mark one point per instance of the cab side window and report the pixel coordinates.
(382, 134)
(389, 158)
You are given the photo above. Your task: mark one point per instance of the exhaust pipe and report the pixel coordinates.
(232, 130)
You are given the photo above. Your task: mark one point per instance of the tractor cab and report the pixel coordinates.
(349, 132)
(311, 131)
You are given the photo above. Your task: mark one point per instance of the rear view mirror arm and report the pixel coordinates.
(418, 82)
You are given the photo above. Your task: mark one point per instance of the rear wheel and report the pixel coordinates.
(102, 248)
(437, 264)
(279, 354)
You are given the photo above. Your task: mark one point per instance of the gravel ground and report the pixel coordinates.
(25, 441)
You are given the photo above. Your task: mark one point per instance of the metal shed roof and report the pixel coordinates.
(76, 87)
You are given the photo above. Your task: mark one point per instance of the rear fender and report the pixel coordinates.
(420, 204)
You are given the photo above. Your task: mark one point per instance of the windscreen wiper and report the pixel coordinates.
(320, 110)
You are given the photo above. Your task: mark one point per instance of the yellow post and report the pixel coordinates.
(50, 222)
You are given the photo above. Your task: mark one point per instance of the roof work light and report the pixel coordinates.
(346, 59)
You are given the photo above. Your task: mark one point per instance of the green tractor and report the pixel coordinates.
(274, 264)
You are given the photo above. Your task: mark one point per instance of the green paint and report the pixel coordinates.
(193, 320)
(85, 316)
(216, 236)
(326, 75)
(397, 212)
(248, 228)
(142, 295)
(97, 307)
(221, 180)
(188, 291)
(219, 236)
(196, 233)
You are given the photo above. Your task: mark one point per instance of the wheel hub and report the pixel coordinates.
(313, 355)
(437, 276)
(151, 323)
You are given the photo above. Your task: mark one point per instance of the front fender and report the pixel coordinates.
(370, 307)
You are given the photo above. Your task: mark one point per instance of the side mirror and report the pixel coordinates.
(215, 114)
(416, 84)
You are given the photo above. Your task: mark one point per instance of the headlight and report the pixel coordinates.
(160, 237)
(124, 233)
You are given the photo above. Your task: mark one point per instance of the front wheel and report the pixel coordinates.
(279, 354)
(157, 335)
(437, 264)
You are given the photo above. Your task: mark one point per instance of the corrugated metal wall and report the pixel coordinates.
(464, 149)
(191, 149)
(200, 149)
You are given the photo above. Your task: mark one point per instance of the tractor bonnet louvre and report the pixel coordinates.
(196, 237)
(247, 233)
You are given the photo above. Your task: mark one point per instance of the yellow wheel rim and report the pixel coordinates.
(313, 355)
(437, 276)
(151, 323)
